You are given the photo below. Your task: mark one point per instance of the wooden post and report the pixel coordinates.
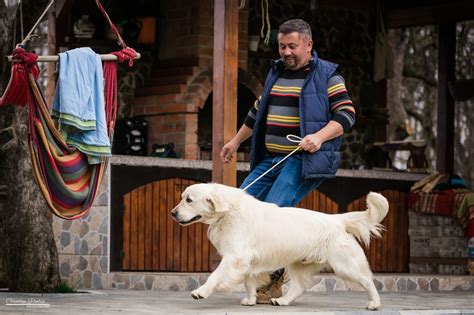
(224, 100)
(445, 128)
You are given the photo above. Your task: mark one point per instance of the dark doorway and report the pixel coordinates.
(245, 100)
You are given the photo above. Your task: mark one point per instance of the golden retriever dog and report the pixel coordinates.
(255, 238)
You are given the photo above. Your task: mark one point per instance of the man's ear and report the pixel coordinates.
(309, 45)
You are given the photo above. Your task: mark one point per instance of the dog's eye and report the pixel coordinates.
(189, 200)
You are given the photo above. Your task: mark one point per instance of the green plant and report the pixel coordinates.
(63, 287)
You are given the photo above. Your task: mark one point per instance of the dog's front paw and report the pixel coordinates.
(373, 305)
(248, 302)
(199, 293)
(279, 302)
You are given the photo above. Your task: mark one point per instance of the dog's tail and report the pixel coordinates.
(363, 224)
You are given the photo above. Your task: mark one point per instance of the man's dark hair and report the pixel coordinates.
(296, 25)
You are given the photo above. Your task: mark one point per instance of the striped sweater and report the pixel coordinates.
(283, 109)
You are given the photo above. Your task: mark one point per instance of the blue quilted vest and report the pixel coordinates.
(314, 115)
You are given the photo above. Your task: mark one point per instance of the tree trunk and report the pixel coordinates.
(5, 39)
(398, 115)
(28, 246)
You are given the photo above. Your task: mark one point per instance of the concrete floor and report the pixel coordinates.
(168, 302)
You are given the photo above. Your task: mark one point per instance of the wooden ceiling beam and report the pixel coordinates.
(406, 13)
(429, 14)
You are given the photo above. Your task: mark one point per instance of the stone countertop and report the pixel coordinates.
(381, 174)
(147, 161)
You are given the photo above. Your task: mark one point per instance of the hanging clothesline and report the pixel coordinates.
(54, 58)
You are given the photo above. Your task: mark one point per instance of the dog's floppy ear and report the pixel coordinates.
(220, 199)
(215, 204)
(218, 205)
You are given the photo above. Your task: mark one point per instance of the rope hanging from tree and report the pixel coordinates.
(23, 42)
(265, 22)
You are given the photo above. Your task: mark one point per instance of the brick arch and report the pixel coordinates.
(250, 82)
(200, 87)
(176, 116)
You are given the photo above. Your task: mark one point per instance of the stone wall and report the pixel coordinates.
(131, 78)
(437, 245)
(83, 244)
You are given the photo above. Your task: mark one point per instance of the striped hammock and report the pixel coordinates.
(66, 180)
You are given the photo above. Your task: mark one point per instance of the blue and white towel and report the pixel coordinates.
(79, 103)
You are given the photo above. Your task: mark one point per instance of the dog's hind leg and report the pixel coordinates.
(252, 282)
(299, 274)
(350, 263)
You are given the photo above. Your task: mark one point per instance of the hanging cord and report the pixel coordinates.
(36, 24)
(14, 25)
(112, 26)
(265, 22)
(21, 19)
(291, 138)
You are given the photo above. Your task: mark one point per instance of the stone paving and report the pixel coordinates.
(167, 302)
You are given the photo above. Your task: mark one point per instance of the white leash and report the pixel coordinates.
(291, 138)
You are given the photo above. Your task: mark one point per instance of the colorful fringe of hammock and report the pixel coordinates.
(68, 183)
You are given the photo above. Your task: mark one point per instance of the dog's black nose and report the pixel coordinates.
(174, 213)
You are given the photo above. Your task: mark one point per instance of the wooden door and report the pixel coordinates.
(152, 241)
(317, 201)
(391, 252)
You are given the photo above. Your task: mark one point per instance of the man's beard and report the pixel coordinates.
(294, 62)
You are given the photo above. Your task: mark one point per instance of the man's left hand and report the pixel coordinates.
(311, 143)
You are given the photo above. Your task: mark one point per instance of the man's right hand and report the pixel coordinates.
(227, 152)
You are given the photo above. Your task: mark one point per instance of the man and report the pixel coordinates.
(304, 96)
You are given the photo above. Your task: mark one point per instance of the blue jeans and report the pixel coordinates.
(284, 185)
